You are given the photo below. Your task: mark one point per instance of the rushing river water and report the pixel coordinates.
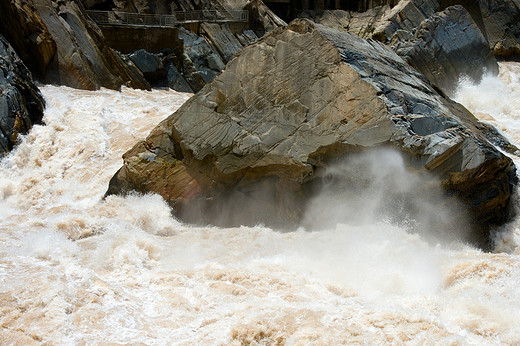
(75, 269)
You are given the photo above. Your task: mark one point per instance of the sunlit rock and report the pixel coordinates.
(249, 146)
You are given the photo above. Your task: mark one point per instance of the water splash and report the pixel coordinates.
(496, 100)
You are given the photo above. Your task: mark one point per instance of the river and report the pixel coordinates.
(77, 269)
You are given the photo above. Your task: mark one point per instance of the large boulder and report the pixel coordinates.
(21, 104)
(261, 132)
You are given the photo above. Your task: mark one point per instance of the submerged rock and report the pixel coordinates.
(250, 145)
(21, 104)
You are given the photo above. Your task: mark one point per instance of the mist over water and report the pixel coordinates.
(377, 187)
(74, 268)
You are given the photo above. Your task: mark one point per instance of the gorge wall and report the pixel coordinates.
(63, 46)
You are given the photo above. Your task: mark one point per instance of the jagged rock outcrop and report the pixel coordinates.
(404, 17)
(202, 49)
(192, 60)
(313, 94)
(82, 59)
(498, 20)
(501, 25)
(21, 104)
(446, 46)
(63, 46)
(201, 55)
(221, 39)
(261, 18)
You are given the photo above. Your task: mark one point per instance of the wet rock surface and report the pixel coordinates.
(259, 134)
(21, 103)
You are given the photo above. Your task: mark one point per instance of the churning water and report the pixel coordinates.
(76, 269)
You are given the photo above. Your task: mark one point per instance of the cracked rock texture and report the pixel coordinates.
(257, 135)
(444, 41)
(21, 104)
(498, 20)
(446, 47)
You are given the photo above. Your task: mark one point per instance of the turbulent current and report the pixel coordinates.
(75, 268)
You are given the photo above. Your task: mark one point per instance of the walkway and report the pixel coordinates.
(162, 20)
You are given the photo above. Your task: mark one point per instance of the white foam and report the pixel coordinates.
(76, 269)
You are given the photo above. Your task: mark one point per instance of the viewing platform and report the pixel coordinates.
(166, 20)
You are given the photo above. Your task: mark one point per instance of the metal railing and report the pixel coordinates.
(177, 17)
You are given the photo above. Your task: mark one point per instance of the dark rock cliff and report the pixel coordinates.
(21, 104)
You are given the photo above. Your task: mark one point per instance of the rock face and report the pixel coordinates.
(501, 25)
(405, 17)
(21, 104)
(82, 58)
(64, 47)
(24, 29)
(200, 50)
(261, 18)
(261, 132)
(361, 24)
(498, 20)
(445, 47)
(188, 61)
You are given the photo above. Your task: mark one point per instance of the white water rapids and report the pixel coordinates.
(78, 270)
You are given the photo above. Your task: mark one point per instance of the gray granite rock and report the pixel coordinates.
(205, 60)
(176, 81)
(446, 47)
(145, 61)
